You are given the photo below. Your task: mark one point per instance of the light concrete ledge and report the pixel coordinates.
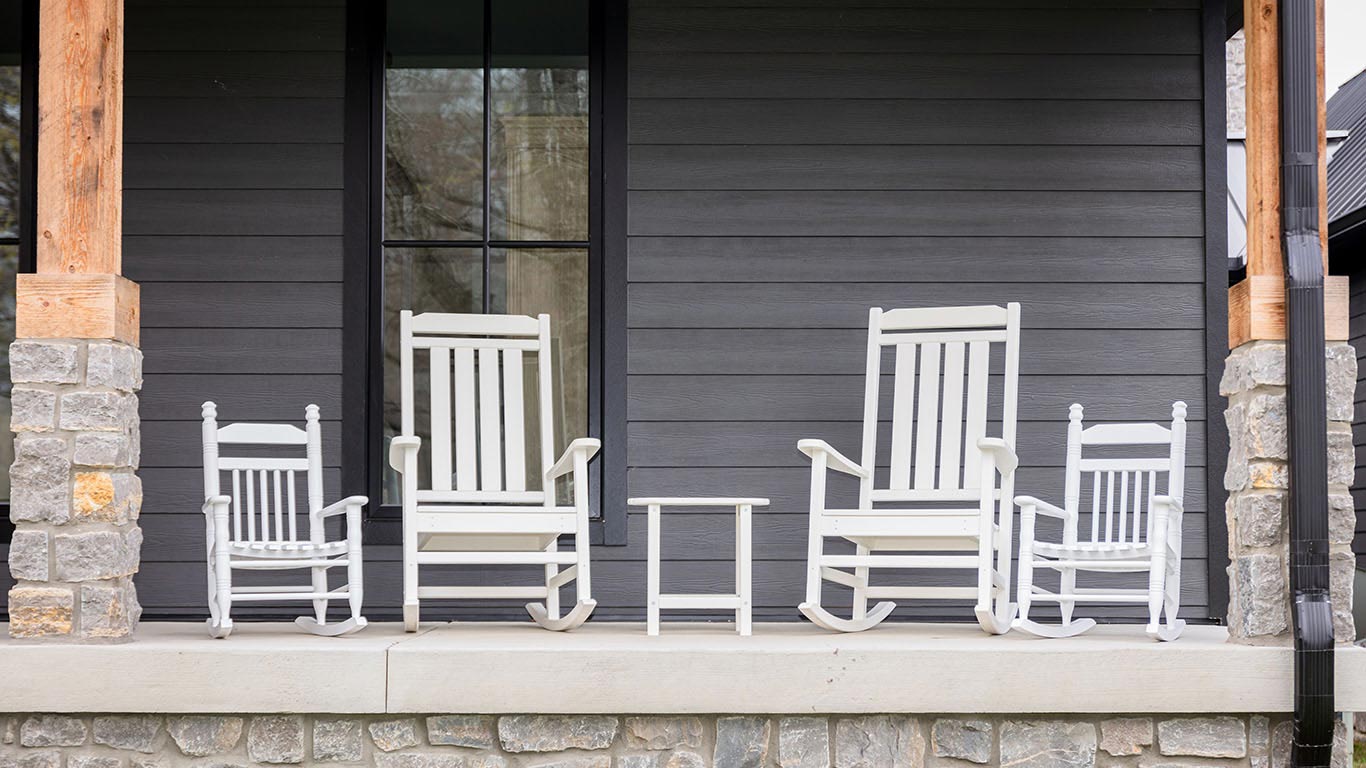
(689, 668)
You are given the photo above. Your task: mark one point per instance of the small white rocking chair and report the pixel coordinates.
(476, 508)
(948, 499)
(257, 527)
(1126, 541)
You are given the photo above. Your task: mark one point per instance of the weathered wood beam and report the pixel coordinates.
(1256, 305)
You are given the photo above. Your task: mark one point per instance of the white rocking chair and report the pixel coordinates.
(257, 528)
(946, 500)
(476, 508)
(1128, 542)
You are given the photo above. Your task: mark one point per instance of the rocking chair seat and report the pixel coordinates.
(287, 548)
(1086, 550)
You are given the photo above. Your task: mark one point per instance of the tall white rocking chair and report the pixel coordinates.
(475, 506)
(1123, 539)
(257, 527)
(946, 502)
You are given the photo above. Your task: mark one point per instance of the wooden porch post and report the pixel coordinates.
(1255, 373)
(75, 362)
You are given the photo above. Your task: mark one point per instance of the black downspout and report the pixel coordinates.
(1306, 387)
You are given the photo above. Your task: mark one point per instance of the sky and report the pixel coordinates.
(1345, 46)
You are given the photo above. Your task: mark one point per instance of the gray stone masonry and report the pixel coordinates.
(1256, 478)
(598, 741)
(75, 494)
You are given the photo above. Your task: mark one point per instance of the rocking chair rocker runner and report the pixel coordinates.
(942, 494)
(256, 528)
(1127, 541)
(475, 507)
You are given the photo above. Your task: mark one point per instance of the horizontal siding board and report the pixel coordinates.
(218, 259)
(913, 76)
(180, 491)
(784, 259)
(712, 6)
(240, 397)
(888, 121)
(840, 398)
(914, 30)
(159, 120)
(815, 167)
(180, 443)
(835, 213)
(233, 166)
(774, 443)
(241, 350)
(813, 305)
(292, 28)
(232, 212)
(784, 351)
(217, 74)
(242, 305)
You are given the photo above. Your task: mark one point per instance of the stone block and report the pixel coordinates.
(1267, 474)
(39, 481)
(96, 554)
(685, 759)
(879, 741)
(28, 555)
(106, 497)
(113, 364)
(1047, 744)
(1258, 364)
(103, 449)
(418, 760)
(461, 731)
(1236, 476)
(649, 760)
(1259, 596)
(553, 733)
(205, 735)
(804, 742)
(47, 758)
(32, 410)
(393, 735)
(485, 760)
(94, 761)
(1264, 425)
(276, 739)
(578, 761)
(337, 741)
(33, 361)
(741, 742)
(1202, 737)
(139, 733)
(969, 740)
(1260, 518)
(53, 731)
(1258, 734)
(1341, 368)
(1341, 455)
(98, 412)
(109, 610)
(665, 732)
(1342, 571)
(37, 612)
(1342, 518)
(1123, 736)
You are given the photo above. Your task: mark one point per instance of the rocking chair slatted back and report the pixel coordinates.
(1122, 489)
(264, 495)
(939, 400)
(478, 429)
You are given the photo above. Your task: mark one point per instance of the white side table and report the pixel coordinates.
(741, 600)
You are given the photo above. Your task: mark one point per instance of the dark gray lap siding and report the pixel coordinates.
(789, 167)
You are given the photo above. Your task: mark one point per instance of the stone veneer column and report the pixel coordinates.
(1256, 478)
(75, 498)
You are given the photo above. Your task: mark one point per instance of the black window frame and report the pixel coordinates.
(363, 171)
(28, 173)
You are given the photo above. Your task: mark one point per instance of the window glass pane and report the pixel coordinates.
(531, 281)
(9, 147)
(538, 172)
(434, 123)
(423, 280)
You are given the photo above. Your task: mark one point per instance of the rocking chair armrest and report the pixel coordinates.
(1004, 455)
(583, 445)
(341, 507)
(1042, 507)
(214, 503)
(399, 448)
(834, 459)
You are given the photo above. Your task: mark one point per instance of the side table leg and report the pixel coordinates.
(652, 570)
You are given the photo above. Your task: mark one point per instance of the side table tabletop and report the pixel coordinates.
(741, 601)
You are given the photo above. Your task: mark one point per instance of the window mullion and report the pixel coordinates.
(488, 145)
